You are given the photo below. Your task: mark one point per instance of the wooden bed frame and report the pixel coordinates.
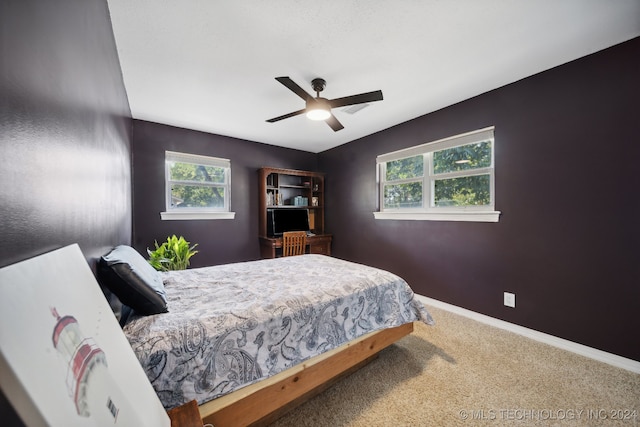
(262, 403)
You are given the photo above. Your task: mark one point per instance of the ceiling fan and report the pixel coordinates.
(319, 108)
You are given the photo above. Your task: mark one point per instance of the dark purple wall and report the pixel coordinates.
(65, 162)
(219, 241)
(567, 182)
(65, 145)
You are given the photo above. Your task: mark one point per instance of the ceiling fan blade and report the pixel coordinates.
(334, 123)
(362, 98)
(286, 116)
(293, 86)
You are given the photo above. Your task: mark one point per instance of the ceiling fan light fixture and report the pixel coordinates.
(318, 113)
(318, 109)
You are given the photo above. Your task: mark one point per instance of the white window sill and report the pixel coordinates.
(196, 215)
(473, 216)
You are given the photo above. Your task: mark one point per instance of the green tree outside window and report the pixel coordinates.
(194, 186)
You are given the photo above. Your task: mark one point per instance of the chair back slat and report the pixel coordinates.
(293, 243)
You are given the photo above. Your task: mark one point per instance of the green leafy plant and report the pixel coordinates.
(174, 254)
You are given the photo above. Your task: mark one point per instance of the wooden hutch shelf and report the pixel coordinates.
(290, 189)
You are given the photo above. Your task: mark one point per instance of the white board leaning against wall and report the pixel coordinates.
(64, 360)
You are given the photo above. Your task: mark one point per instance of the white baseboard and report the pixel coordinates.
(583, 350)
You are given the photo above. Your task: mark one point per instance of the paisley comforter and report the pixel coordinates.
(231, 325)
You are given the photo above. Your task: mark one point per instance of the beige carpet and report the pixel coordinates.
(464, 373)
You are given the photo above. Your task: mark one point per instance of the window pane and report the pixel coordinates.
(411, 167)
(192, 196)
(407, 195)
(191, 172)
(464, 157)
(465, 191)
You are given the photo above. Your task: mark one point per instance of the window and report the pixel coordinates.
(197, 187)
(450, 179)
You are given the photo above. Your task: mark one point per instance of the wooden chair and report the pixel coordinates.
(293, 243)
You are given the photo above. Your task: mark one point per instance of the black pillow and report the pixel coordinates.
(120, 310)
(128, 275)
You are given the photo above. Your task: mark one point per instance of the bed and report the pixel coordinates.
(249, 340)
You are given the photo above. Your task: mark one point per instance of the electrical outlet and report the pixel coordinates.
(510, 299)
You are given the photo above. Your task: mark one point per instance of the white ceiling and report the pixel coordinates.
(210, 65)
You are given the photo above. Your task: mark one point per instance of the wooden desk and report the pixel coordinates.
(319, 244)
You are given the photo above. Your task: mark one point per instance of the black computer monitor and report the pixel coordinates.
(286, 219)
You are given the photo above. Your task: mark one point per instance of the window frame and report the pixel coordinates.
(196, 213)
(483, 213)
